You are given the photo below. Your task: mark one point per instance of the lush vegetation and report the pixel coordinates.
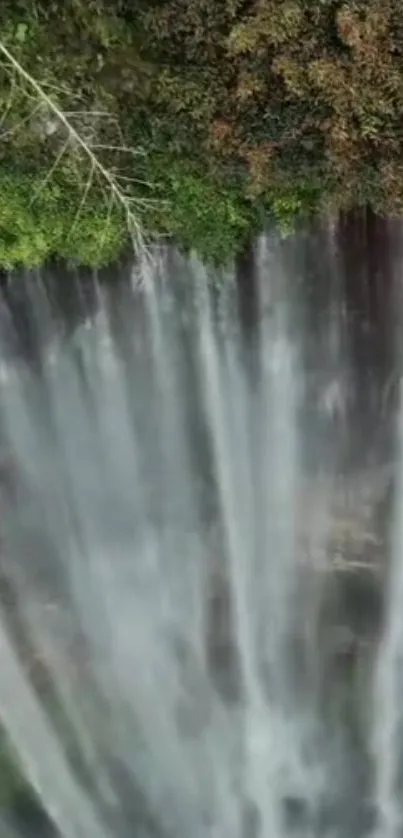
(208, 115)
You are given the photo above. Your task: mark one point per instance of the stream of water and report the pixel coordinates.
(201, 569)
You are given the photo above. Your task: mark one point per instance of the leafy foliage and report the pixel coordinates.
(241, 107)
(202, 213)
(299, 92)
(37, 223)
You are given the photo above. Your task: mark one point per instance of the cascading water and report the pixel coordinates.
(170, 482)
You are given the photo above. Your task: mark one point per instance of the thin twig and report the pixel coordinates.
(86, 114)
(64, 90)
(145, 201)
(9, 103)
(83, 199)
(124, 149)
(15, 128)
(51, 171)
(108, 218)
(128, 179)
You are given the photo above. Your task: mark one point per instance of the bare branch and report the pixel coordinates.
(125, 201)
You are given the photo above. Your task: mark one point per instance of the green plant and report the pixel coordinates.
(38, 222)
(200, 212)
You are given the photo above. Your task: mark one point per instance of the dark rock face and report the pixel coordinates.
(26, 819)
(344, 280)
(368, 252)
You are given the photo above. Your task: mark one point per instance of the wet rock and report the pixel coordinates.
(250, 820)
(223, 657)
(27, 819)
(295, 813)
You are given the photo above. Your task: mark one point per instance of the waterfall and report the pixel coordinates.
(187, 499)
